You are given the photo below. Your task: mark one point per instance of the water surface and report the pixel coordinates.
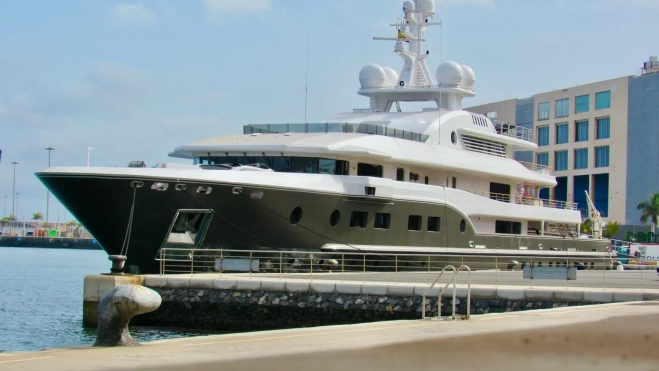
(41, 299)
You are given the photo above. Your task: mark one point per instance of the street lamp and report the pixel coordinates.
(88, 148)
(13, 193)
(48, 190)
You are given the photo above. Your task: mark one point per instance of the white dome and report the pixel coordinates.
(469, 77)
(408, 6)
(372, 76)
(449, 73)
(392, 77)
(427, 7)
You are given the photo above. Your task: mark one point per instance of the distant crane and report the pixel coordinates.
(595, 218)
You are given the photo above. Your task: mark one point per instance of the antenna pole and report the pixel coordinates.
(306, 79)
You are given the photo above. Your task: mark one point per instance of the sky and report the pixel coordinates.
(135, 79)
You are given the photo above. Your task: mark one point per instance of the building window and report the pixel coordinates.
(414, 223)
(562, 133)
(542, 159)
(603, 100)
(581, 131)
(603, 128)
(602, 156)
(433, 224)
(543, 111)
(560, 160)
(382, 220)
(582, 103)
(581, 158)
(543, 136)
(562, 107)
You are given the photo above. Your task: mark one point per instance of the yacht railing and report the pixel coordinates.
(526, 200)
(335, 128)
(514, 131)
(542, 169)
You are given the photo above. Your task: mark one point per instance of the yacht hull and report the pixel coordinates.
(258, 217)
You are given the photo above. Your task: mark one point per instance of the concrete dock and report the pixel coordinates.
(603, 337)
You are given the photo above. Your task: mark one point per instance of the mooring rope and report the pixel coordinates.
(124, 248)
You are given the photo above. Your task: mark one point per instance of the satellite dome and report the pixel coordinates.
(392, 77)
(450, 74)
(372, 76)
(408, 6)
(426, 7)
(469, 77)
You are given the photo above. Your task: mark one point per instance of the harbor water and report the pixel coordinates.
(41, 299)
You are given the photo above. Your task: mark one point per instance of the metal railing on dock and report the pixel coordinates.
(509, 270)
(441, 292)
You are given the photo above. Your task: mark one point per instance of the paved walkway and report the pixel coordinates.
(602, 337)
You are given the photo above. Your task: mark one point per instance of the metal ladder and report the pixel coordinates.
(439, 297)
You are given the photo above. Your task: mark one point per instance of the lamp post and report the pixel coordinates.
(17, 209)
(88, 148)
(49, 149)
(13, 193)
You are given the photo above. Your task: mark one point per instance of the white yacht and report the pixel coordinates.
(377, 180)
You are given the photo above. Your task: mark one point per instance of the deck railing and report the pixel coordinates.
(335, 128)
(526, 200)
(542, 169)
(406, 268)
(514, 131)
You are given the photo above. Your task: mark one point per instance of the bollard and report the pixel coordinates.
(117, 307)
(117, 264)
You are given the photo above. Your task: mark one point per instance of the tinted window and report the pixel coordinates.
(504, 226)
(335, 217)
(400, 174)
(414, 223)
(382, 220)
(296, 215)
(463, 226)
(358, 219)
(369, 170)
(433, 224)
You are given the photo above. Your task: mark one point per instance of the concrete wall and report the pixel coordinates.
(642, 177)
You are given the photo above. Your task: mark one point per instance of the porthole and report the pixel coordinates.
(463, 226)
(453, 137)
(296, 215)
(335, 217)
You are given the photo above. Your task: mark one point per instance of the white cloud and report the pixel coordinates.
(222, 8)
(133, 15)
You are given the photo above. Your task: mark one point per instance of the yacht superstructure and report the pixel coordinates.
(376, 179)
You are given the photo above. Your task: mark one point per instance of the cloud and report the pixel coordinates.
(221, 8)
(133, 15)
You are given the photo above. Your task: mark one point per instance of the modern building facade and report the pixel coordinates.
(601, 137)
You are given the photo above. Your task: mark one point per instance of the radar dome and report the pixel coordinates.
(408, 6)
(469, 77)
(372, 76)
(426, 7)
(450, 74)
(392, 77)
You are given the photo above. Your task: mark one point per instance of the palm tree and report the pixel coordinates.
(3, 222)
(36, 217)
(650, 209)
(612, 229)
(11, 218)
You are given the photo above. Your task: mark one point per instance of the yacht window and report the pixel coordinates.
(281, 164)
(508, 227)
(500, 191)
(358, 219)
(400, 174)
(463, 226)
(335, 217)
(296, 215)
(433, 224)
(369, 170)
(454, 182)
(427, 180)
(414, 223)
(382, 220)
(304, 165)
(332, 167)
